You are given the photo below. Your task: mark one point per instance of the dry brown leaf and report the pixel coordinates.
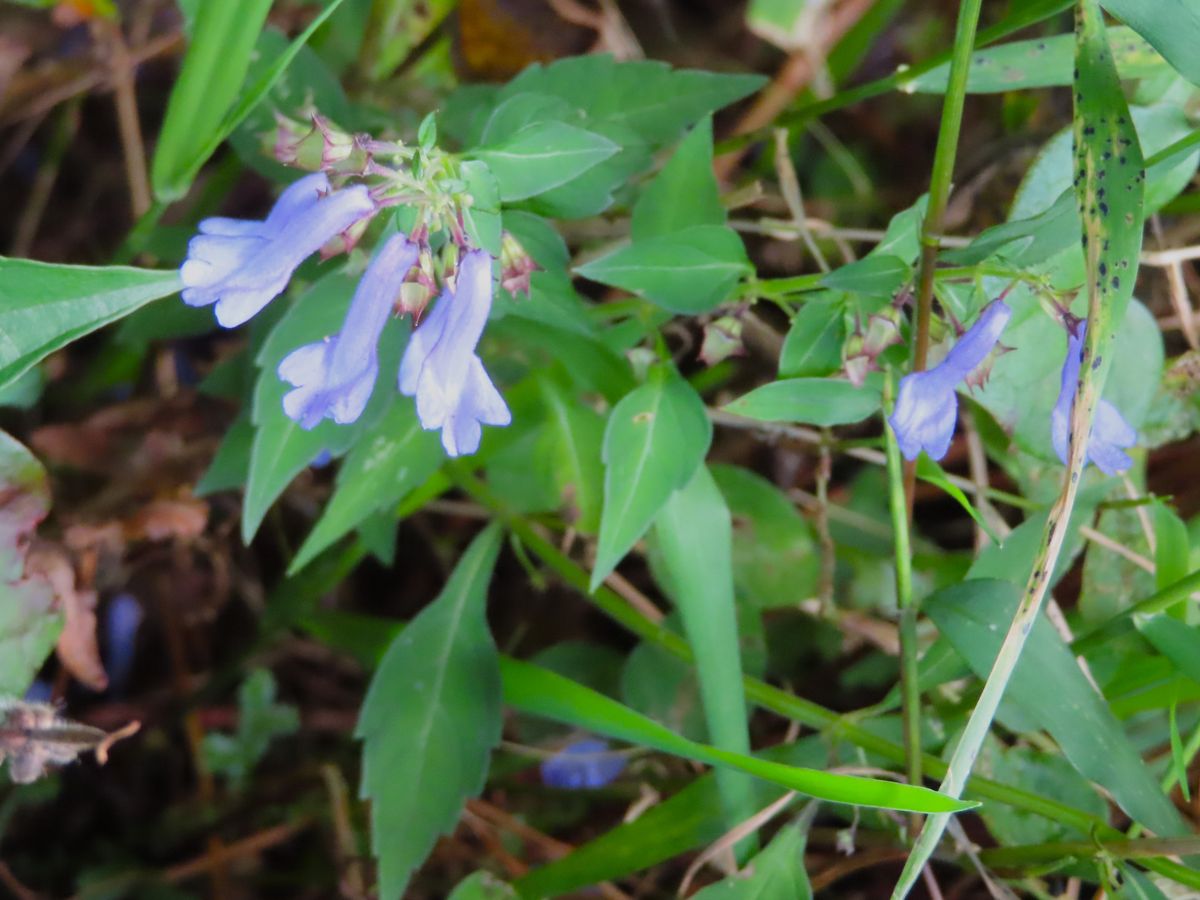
(184, 517)
(77, 649)
(34, 736)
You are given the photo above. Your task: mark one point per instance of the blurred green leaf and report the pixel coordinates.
(656, 438)
(695, 537)
(260, 721)
(44, 307)
(1039, 62)
(1171, 26)
(430, 720)
(812, 401)
(774, 555)
(777, 873)
(217, 59)
(1171, 546)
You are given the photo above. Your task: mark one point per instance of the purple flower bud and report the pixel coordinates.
(584, 764)
(926, 404)
(1111, 434)
(335, 377)
(440, 367)
(242, 265)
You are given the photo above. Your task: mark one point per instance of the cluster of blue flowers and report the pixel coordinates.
(927, 402)
(240, 266)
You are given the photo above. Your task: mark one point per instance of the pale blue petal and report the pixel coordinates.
(925, 413)
(584, 764)
(335, 378)
(1111, 434)
(977, 342)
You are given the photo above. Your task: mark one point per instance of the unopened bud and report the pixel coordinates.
(316, 145)
(346, 241)
(413, 299)
(722, 339)
(516, 266)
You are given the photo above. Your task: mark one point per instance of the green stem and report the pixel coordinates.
(1033, 854)
(1119, 624)
(909, 676)
(944, 156)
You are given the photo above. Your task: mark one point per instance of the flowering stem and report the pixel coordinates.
(909, 687)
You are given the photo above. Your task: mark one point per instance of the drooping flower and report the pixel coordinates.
(1111, 434)
(584, 764)
(441, 369)
(926, 404)
(335, 377)
(241, 265)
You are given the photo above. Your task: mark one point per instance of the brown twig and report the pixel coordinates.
(133, 147)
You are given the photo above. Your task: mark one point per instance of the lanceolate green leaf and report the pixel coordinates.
(813, 401)
(684, 194)
(44, 307)
(973, 616)
(208, 86)
(688, 271)
(393, 456)
(216, 62)
(656, 438)
(1040, 62)
(543, 156)
(540, 692)
(431, 719)
(695, 537)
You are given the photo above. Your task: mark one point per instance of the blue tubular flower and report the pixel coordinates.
(584, 764)
(335, 377)
(440, 367)
(926, 404)
(242, 265)
(1111, 434)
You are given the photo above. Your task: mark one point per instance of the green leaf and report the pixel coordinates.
(1178, 642)
(775, 874)
(689, 271)
(653, 100)
(230, 466)
(974, 616)
(774, 555)
(575, 433)
(876, 275)
(281, 448)
(391, 458)
(222, 41)
(1040, 62)
(29, 623)
(482, 217)
(543, 156)
(44, 307)
(430, 720)
(684, 194)
(260, 721)
(781, 22)
(656, 438)
(931, 472)
(813, 346)
(1171, 26)
(814, 401)
(1171, 546)
(482, 886)
(695, 537)
(539, 692)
